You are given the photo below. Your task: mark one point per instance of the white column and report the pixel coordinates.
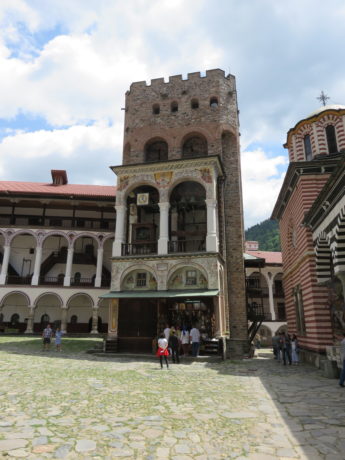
(119, 230)
(163, 228)
(4, 267)
(270, 299)
(94, 329)
(98, 279)
(64, 319)
(30, 323)
(37, 267)
(67, 279)
(211, 238)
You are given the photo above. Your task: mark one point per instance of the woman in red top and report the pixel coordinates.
(163, 350)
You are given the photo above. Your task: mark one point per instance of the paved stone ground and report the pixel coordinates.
(71, 405)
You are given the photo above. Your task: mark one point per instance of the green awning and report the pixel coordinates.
(159, 294)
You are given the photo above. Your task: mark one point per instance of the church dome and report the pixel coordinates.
(323, 108)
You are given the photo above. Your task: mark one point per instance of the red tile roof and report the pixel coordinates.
(270, 257)
(41, 188)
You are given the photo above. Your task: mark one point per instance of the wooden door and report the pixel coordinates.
(137, 324)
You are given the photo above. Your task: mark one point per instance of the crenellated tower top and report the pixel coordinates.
(162, 116)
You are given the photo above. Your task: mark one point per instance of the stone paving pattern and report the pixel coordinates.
(71, 405)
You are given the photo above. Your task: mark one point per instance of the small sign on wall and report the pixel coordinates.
(142, 199)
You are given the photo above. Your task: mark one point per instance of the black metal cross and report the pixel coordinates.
(323, 98)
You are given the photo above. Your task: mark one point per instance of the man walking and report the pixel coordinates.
(174, 344)
(47, 335)
(342, 355)
(195, 339)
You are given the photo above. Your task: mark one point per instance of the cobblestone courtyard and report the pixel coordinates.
(74, 405)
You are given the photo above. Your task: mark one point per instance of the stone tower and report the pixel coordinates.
(179, 227)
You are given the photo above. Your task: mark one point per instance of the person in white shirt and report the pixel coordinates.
(342, 354)
(167, 332)
(195, 340)
(184, 337)
(163, 350)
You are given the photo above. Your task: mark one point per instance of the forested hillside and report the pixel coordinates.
(267, 234)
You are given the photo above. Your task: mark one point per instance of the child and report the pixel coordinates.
(163, 350)
(58, 336)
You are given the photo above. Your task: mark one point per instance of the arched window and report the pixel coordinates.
(194, 104)
(156, 109)
(331, 139)
(156, 151)
(74, 319)
(307, 147)
(45, 319)
(195, 146)
(14, 319)
(77, 278)
(174, 107)
(213, 102)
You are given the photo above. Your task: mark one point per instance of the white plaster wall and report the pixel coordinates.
(9, 310)
(20, 249)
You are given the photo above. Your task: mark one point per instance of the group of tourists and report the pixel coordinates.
(48, 334)
(285, 348)
(176, 342)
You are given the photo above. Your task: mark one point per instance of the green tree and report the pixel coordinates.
(267, 234)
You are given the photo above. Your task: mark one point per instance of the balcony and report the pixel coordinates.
(58, 222)
(255, 312)
(182, 246)
(14, 279)
(139, 249)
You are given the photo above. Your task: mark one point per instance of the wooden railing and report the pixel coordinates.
(186, 246)
(139, 249)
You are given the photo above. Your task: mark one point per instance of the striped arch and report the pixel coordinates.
(323, 259)
(339, 249)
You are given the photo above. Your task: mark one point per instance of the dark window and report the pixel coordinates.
(74, 319)
(299, 309)
(307, 148)
(55, 222)
(156, 109)
(278, 288)
(45, 319)
(77, 278)
(14, 319)
(157, 151)
(213, 102)
(194, 147)
(35, 221)
(331, 139)
(194, 104)
(281, 311)
(174, 107)
(141, 279)
(80, 223)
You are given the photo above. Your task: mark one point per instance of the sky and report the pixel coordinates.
(66, 65)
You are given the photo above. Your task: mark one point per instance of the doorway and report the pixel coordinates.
(137, 325)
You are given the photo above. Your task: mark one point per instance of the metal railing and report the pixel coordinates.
(14, 279)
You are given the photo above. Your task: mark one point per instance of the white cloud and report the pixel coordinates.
(261, 180)
(82, 150)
